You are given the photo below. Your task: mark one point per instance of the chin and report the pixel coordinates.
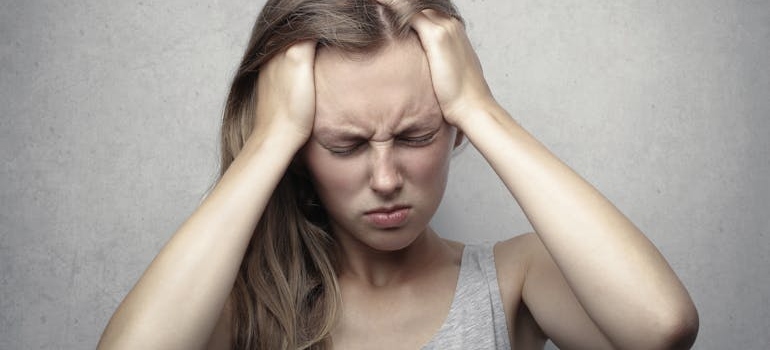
(391, 240)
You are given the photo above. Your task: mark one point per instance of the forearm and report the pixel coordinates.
(617, 274)
(179, 298)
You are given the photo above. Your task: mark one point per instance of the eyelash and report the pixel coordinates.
(418, 141)
(409, 141)
(346, 151)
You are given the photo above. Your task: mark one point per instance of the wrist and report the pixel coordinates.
(280, 131)
(474, 115)
(284, 142)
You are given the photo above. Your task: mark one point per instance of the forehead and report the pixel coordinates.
(376, 92)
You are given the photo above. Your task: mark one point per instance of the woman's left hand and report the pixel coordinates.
(458, 80)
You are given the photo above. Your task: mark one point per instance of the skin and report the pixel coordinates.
(395, 150)
(203, 256)
(587, 278)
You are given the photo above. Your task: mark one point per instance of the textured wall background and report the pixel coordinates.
(109, 114)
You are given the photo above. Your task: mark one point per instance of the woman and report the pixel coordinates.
(337, 137)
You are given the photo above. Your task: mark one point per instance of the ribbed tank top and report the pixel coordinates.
(476, 318)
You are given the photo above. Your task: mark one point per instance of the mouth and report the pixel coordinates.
(388, 217)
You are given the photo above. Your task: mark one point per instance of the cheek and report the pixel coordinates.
(333, 180)
(326, 173)
(429, 165)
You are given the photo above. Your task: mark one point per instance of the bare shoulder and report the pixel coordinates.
(546, 306)
(513, 258)
(517, 252)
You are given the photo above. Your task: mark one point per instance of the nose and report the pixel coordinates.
(386, 176)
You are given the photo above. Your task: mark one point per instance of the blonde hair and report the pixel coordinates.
(286, 294)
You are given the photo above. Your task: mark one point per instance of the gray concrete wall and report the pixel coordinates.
(109, 113)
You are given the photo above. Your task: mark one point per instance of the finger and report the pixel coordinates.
(422, 24)
(427, 20)
(434, 15)
(302, 50)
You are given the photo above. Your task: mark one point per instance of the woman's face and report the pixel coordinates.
(380, 149)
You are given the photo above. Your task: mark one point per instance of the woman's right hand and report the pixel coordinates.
(286, 94)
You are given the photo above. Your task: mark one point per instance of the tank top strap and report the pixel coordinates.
(476, 318)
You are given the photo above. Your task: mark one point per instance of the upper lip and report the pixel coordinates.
(387, 209)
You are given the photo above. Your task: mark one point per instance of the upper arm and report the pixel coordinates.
(222, 338)
(552, 303)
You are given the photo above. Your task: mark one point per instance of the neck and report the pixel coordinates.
(376, 268)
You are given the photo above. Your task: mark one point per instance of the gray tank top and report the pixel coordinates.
(476, 318)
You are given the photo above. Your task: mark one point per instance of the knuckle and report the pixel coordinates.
(291, 55)
(446, 31)
(299, 53)
(440, 33)
(453, 27)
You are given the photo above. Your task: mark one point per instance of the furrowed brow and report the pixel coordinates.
(427, 122)
(330, 134)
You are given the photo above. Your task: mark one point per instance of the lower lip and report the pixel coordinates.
(390, 219)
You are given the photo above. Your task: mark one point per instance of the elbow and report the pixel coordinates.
(671, 329)
(682, 335)
(679, 329)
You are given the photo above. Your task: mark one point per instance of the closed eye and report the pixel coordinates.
(344, 151)
(409, 141)
(418, 141)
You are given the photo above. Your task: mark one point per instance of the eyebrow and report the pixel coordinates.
(423, 124)
(423, 121)
(334, 134)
